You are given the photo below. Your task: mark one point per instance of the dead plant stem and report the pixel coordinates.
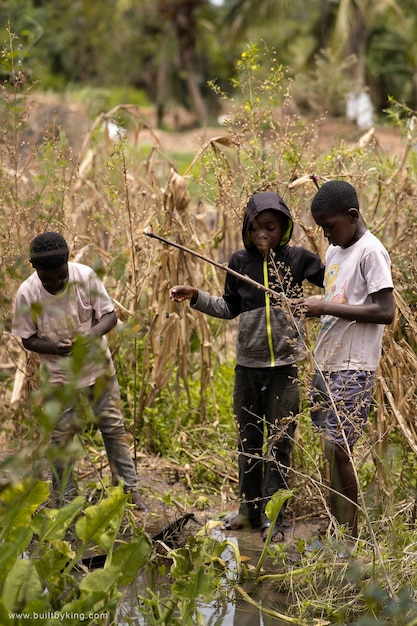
(225, 268)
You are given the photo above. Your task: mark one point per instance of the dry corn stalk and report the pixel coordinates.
(396, 384)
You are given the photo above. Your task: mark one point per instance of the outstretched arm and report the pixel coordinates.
(183, 292)
(379, 311)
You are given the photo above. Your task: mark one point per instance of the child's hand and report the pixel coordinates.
(183, 292)
(64, 347)
(297, 307)
(310, 307)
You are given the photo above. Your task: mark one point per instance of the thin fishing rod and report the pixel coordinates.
(225, 268)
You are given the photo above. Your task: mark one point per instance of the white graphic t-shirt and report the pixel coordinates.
(62, 316)
(352, 275)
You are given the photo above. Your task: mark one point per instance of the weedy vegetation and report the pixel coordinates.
(175, 367)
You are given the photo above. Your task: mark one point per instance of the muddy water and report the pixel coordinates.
(237, 611)
(233, 609)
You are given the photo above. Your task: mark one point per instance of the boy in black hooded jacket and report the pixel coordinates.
(268, 347)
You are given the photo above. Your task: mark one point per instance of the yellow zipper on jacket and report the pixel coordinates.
(268, 313)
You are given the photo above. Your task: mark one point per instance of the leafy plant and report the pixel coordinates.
(176, 366)
(41, 547)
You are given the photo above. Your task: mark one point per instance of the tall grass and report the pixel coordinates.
(175, 365)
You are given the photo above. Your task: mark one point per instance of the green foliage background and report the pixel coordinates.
(169, 49)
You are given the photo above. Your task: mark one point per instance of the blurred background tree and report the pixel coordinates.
(170, 49)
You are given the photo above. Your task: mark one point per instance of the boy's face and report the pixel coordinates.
(53, 280)
(341, 229)
(267, 230)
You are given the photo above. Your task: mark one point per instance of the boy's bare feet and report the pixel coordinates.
(277, 534)
(138, 502)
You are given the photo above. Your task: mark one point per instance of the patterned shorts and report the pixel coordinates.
(340, 403)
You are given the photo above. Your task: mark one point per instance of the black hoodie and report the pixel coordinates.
(268, 335)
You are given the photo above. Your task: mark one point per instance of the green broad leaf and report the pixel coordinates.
(98, 594)
(13, 547)
(22, 586)
(64, 548)
(200, 583)
(272, 510)
(101, 522)
(101, 581)
(52, 524)
(19, 502)
(130, 557)
(5, 618)
(276, 503)
(193, 571)
(54, 559)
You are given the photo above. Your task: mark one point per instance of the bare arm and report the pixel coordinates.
(183, 292)
(44, 346)
(379, 311)
(64, 346)
(104, 326)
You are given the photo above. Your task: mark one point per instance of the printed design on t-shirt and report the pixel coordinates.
(334, 293)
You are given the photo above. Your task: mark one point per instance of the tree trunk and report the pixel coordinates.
(181, 14)
(357, 46)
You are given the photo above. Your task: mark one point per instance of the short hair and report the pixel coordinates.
(49, 250)
(335, 196)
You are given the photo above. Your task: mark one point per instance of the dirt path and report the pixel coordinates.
(169, 494)
(329, 133)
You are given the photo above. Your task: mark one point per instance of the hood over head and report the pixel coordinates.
(261, 202)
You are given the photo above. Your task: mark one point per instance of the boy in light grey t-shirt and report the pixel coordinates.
(58, 303)
(358, 302)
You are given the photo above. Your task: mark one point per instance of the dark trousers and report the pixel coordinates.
(266, 405)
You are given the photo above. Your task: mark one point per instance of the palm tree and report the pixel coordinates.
(243, 14)
(344, 27)
(181, 16)
(352, 26)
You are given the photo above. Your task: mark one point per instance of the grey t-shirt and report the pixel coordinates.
(62, 316)
(352, 275)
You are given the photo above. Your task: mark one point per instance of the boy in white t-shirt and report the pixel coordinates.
(58, 302)
(358, 302)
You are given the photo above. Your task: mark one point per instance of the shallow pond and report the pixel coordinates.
(232, 609)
